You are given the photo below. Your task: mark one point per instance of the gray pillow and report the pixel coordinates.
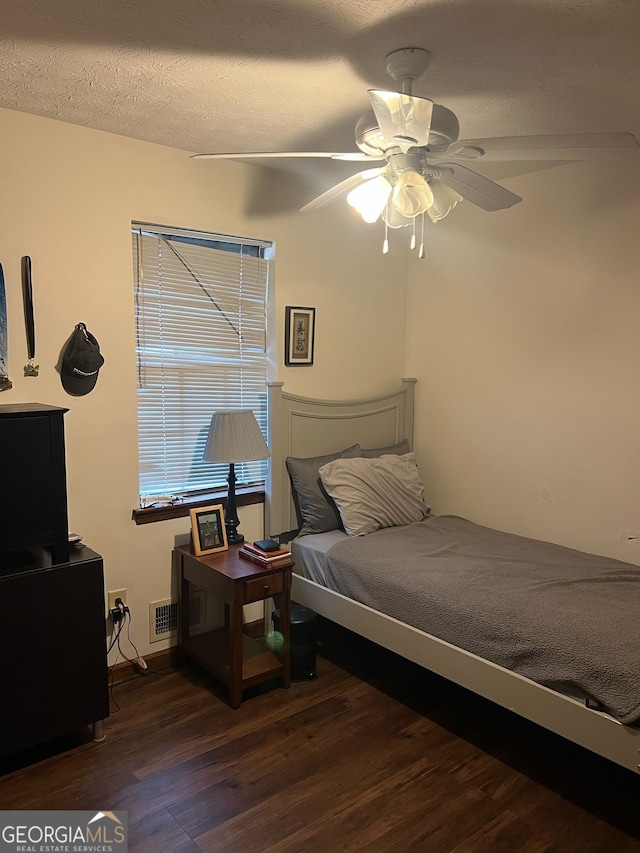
(316, 511)
(394, 449)
(376, 493)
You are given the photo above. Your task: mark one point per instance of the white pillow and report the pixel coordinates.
(374, 493)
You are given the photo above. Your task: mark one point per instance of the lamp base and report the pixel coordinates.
(238, 539)
(232, 521)
(233, 537)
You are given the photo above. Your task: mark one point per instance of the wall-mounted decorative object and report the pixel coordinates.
(207, 529)
(5, 382)
(80, 362)
(30, 368)
(299, 336)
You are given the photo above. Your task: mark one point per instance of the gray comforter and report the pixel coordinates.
(560, 617)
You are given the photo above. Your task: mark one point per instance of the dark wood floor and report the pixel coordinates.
(375, 755)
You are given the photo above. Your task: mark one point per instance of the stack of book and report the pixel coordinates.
(266, 559)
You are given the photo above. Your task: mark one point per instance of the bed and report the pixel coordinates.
(464, 640)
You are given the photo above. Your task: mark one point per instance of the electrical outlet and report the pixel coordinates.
(111, 598)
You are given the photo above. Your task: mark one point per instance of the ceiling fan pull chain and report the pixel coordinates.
(421, 249)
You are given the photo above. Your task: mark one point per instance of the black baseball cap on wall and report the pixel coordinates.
(81, 361)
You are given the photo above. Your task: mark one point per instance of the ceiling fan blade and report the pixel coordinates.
(404, 120)
(332, 155)
(475, 188)
(342, 189)
(568, 146)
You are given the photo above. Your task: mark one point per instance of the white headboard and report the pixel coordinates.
(302, 427)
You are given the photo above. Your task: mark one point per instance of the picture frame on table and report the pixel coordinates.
(208, 531)
(299, 336)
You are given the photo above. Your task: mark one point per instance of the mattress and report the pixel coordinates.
(310, 553)
(560, 617)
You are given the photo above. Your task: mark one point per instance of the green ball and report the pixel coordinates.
(275, 641)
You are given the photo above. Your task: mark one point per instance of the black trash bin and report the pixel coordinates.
(303, 641)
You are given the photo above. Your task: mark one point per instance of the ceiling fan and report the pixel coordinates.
(425, 167)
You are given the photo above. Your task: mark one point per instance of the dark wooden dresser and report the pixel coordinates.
(53, 662)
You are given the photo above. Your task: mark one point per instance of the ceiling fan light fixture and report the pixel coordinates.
(411, 195)
(444, 200)
(370, 198)
(394, 219)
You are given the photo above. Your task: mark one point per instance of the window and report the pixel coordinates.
(200, 302)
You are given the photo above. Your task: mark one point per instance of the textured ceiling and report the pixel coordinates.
(206, 75)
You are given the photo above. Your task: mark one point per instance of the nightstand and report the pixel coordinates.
(228, 653)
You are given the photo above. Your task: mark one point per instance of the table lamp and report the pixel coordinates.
(234, 436)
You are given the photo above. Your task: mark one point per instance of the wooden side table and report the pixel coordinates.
(228, 653)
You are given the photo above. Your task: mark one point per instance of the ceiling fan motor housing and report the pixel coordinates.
(444, 132)
(413, 160)
(408, 63)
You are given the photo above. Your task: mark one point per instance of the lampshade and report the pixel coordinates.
(444, 200)
(411, 194)
(402, 194)
(234, 436)
(394, 219)
(370, 198)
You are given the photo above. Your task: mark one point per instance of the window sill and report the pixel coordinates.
(244, 497)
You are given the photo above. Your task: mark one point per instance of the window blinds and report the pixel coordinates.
(201, 345)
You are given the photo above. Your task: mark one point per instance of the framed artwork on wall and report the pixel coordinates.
(299, 336)
(208, 530)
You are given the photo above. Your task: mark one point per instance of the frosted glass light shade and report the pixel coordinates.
(444, 200)
(411, 194)
(395, 219)
(234, 436)
(370, 198)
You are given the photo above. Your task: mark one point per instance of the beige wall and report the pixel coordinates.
(523, 332)
(69, 196)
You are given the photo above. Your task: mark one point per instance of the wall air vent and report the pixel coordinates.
(164, 616)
